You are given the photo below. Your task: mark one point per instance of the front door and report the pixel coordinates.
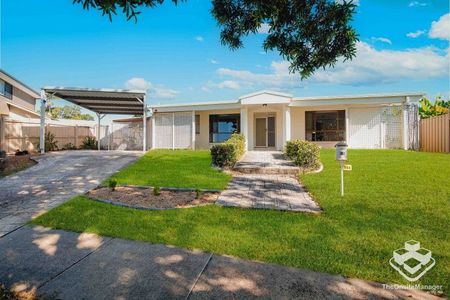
(265, 132)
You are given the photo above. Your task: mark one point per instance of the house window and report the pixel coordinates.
(197, 124)
(221, 127)
(6, 89)
(324, 126)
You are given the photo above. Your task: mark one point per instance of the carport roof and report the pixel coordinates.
(102, 101)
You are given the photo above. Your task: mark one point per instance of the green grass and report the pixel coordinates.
(391, 197)
(173, 168)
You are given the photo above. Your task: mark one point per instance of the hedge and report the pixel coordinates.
(226, 154)
(303, 153)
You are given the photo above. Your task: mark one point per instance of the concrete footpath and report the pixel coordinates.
(69, 265)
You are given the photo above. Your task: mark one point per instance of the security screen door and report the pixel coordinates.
(265, 132)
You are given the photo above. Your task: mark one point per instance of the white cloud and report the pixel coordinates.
(213, 61)
(156, 91)
(264, 28)
(415, 34)
(370, 66)
(417, 4)
(199, 38)
(226, 84)
(440, 29)
(381, 39)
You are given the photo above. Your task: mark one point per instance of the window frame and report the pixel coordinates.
(312, 133)
(197, 124)
(216, 118)
(3, 89)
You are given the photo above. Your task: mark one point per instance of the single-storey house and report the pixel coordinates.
(268, 119)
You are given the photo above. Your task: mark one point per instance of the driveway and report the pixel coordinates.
(57, 177)
(68, 265)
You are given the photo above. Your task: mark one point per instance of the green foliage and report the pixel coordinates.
(391, 196)
(51, 144)
(304, 154)
(226, 154)
(112, 184)
(67, 112)
(69, 146)
(198, 193)
(174, 168)
(427, 109)
(156, 191)
(89, 143)
(310, 34)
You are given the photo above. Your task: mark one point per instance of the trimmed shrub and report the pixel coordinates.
(303, 153)
(89, 143)
(112, 184)
(226, 154)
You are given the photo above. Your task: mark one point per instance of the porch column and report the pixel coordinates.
(286, 124)
(42, 125)
(193, 131)
(99, 117)
(244, 125)
(405, 123)
(153, 129)
(144, 127)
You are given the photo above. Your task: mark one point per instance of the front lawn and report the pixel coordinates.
(391, 197)
(173, 168)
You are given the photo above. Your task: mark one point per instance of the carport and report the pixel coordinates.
(100, 101)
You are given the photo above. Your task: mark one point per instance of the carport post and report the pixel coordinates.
(144, 146)
(99, 117)
(42, 125)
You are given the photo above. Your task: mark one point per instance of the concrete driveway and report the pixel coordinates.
(68, 265)
(56, 178)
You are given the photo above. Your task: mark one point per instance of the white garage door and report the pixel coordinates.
(364, 128)
(173, 130)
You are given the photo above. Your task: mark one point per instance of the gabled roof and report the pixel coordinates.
(19, 84)
(266, 92)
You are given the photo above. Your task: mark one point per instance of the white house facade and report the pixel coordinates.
(268, 119)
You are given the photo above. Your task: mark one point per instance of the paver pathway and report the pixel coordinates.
(267, 191)
(57, 177)
(68, 265)
(269, 181)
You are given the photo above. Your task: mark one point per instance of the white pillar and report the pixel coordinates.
(286, 124)
(144, 146)
(244, 125)
(173, 131)
(193, 131)
(346, 126)
(153, 130)
(405, 123)
(98, 131)
(42, 125)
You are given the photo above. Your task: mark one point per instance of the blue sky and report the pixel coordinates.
(175, 52)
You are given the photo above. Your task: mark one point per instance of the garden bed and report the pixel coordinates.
(13, 164)
(144, 198)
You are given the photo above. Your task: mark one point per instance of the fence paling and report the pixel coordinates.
(435, 134)
(25, 136)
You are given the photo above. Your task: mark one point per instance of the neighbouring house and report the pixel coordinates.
(17, 103)
(268, 119)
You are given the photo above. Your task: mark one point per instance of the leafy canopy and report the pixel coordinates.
(67, 112)
(428, 109)
(310, 34)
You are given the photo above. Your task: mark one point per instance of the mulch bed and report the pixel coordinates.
(12, 164)
(141, 197)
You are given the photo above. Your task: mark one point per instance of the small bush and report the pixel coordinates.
(226, 154)
(51, 144)
(112, 184)
(198, 193)
(69, 146)
(89, 143)
(304, 154)
(156, 191)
